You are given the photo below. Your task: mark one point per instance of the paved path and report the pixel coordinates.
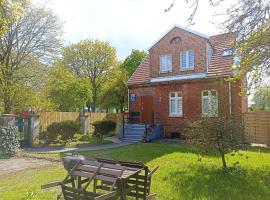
(63, 149)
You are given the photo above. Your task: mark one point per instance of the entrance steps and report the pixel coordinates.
(133, 132)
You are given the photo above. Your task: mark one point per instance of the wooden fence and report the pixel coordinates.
(47, 118)
(257, 127)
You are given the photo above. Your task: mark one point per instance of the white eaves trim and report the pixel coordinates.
(183, 28)
(179, 77)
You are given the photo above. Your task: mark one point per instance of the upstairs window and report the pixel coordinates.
(187, 60)
(165, 63)
(176, 105)
(209, 103)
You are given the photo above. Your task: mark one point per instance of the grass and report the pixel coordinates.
(180, 176)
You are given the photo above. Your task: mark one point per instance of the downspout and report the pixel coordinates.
(230, 98)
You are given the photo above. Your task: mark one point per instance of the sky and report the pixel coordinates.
(131, 24)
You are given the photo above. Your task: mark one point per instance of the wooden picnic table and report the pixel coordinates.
(118, 179)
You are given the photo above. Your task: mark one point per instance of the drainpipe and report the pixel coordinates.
(230, 97)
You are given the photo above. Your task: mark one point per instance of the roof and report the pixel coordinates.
(141, 74)
(219, 66)
(183, 28)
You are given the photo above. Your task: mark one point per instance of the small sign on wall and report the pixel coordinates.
(132, 97)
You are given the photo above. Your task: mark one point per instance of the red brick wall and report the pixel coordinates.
(188, 41)
(191, 93)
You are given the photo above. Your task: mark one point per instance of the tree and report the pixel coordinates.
(91, 59)
(131, 62)
(261, 98)
(10, 11)
(34, 36)
(115, 92)
(220, 133)
(66, 91)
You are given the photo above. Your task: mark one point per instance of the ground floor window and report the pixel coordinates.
(176, 105)
(209, 103)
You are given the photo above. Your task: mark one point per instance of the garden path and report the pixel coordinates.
(67, 149)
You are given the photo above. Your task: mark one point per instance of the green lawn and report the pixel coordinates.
(181, 175)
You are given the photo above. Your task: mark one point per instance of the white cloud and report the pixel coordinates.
(128, 24)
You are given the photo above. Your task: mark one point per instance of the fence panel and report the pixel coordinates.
(257, 127)
(47, 118)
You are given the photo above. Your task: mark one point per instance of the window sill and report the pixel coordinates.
(186, 69)
(178, 116)
(165, 72)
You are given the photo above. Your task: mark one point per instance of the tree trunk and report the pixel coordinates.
(94, 100)
(224, 164)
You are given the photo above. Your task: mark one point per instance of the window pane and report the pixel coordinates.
(184, 59)
(169, 63)
(179, 106)
(213, 93)
(173, 94)
(191, 58)
(205, 93)
(173, 106)
(205, 106)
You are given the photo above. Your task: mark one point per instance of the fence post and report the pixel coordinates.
(33, 128)
(84, 121)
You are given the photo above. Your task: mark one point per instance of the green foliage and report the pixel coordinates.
(223, 134)
(9, 141)
(102, 128)
(61, 131)
(37, 41)
(91, 59)
(133, 61)
(65, 90)
(114, 93)
(261, 98)
(254, 52)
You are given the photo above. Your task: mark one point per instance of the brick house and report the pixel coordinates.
(184, 78)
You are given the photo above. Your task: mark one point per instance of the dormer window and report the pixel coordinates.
(228, 52)
(187, 60)
(165, 64)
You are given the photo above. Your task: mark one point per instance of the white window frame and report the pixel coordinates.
(210, 102)
(168, 67)
(188, 67)
(178, 113)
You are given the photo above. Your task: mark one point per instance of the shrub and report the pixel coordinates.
(65, 130)
(104, 127)
(221, 133)
(9, 141)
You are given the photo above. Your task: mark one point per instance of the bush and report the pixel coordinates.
(104, 127)
(65, 130)
(9, 141)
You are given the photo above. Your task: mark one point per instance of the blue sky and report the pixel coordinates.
(130, 24)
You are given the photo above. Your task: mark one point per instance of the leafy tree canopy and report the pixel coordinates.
(261, 98)
(133, 61)
(91, 59)
(115, 92)
(66, 91)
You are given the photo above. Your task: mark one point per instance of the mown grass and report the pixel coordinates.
(180, 176)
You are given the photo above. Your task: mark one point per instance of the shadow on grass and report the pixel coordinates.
(206, 183)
